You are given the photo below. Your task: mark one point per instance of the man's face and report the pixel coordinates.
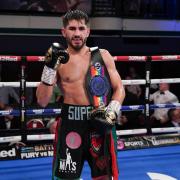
(76, 34)
(163, 86)
(176, 116)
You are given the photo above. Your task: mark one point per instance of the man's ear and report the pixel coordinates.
(88, 32)
(63, 32)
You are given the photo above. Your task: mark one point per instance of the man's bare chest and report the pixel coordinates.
(74, 70)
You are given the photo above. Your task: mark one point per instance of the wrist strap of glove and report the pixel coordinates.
(48, 76)
(114, 106)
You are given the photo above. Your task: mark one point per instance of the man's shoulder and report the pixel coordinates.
(156, 93)
(104, 51)
(97, 48)
(170, 93)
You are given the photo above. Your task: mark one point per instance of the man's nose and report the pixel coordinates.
(77, 32)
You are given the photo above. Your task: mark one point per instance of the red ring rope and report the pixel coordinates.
(116, 58)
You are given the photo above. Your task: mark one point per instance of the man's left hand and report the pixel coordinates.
(102, 119)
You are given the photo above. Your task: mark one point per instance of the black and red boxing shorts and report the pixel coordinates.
(76, 142)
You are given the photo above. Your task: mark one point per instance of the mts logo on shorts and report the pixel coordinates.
(8, 153)
(67, 165)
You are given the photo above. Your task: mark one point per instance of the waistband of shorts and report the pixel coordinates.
(67, 105)
(75, 112)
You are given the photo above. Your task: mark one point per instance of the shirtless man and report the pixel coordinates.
(74, 131)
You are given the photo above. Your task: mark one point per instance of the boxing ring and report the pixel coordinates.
(151, 157)
(145, 164)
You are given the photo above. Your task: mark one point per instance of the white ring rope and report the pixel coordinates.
(36, 137)
(41, 137)
(119, 132)
(125, 82)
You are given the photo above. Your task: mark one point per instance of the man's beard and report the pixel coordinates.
(76, 47)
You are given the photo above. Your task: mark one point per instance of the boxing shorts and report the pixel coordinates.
(75, 142)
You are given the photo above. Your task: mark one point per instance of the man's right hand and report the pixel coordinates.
(55, 56)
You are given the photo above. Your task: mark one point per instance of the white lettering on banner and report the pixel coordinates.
(137, 58)
(8, 153)
(29, 155)
(136, 143)
(6, 113)
(43, 154)
(134, 107)
(41, 58)
(163, 141)
(50, 153)
(43, 147)
(169, 57)
(8, 58)
(57, 111)
(38, 111)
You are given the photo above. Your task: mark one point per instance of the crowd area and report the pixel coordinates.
(162, 93)
(125, 8)
(159, 94)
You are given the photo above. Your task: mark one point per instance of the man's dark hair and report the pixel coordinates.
(75, 15)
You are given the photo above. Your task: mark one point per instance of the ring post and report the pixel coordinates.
(23, 98)
(147, 94)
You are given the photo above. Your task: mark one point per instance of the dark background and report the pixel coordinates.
(114, 41)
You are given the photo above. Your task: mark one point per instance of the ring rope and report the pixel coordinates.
(42, 137)
(116, 58)
(125, 82)
(145, 58)
(32, 112)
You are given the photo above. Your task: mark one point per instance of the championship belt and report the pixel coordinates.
(98, 80)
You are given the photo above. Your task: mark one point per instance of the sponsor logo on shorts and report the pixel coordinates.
(67, 165)
(73, 140)
(78, 113)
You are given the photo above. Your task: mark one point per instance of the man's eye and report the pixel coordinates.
(82, 28)
(72, 29)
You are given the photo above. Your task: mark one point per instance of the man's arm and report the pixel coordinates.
(43, 94)
(116, 82)
(55, 56)
(104, 118)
